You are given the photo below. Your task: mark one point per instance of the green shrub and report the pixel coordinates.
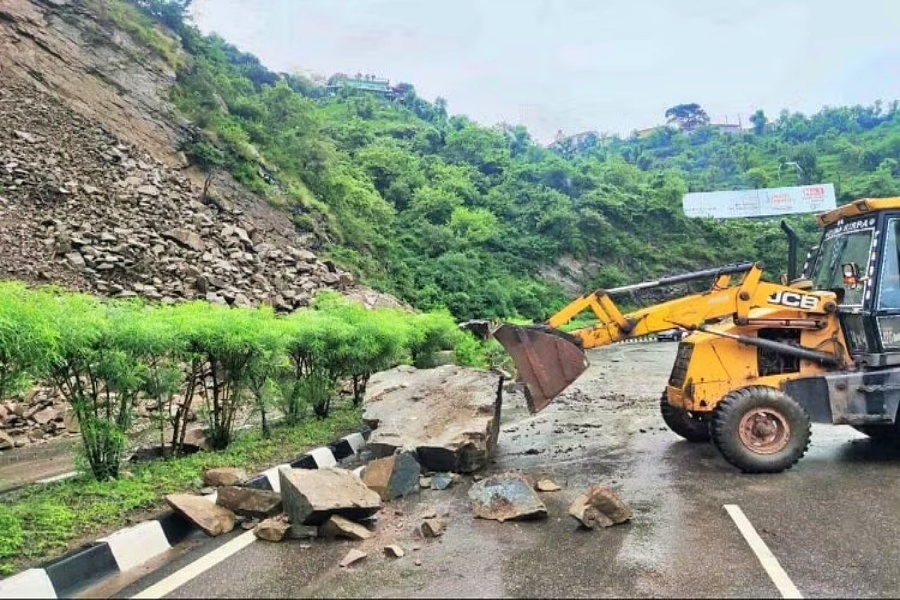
(27, 341)
(429, 333)
(97, 372)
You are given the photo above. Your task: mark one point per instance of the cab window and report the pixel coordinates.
(889, 279)
(848, 246)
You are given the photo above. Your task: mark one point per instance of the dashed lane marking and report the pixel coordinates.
(765, 556)
(185, 574)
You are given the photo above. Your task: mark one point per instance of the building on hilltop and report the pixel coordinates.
(364, 83)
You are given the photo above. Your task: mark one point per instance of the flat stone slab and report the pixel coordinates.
(249, 502)
(506, 497)
(311, 496)
(211, 518)
(338, 526)
(449, 415)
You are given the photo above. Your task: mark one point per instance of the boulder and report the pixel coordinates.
(44, 416)
(272, 530)
(311, 496)
(249, 502)
(224, 476)
(393, 551)
(599, 506)
(506, 497)
(392, 476)
(211, 518)
(338, 526)
(449, 415)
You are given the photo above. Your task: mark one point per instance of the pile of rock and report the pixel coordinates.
(328, 502)
(40, 416)
(80, 208)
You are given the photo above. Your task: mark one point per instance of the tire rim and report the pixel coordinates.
(764, 431)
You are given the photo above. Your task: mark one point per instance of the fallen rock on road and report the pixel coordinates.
(311, 496)
(506, 497)
(211, 518)
(450, 415)
(338, 526)
(393, 476)
(272, 530)
(599, 506)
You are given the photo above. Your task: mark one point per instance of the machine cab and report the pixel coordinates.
(859, 259)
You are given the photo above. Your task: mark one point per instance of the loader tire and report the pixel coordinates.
(760, 429)
(681, 422)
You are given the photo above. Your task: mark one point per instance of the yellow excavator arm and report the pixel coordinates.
(548, 360)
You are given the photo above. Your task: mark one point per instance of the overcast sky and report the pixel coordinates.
(576, 65)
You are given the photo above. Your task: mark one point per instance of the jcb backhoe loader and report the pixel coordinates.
(763, 360)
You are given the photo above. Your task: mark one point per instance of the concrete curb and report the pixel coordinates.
(66, 576)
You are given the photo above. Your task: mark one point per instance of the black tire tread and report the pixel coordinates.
(692, 430)
(731, 408)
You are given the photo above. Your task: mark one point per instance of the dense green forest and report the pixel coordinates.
(442, 211)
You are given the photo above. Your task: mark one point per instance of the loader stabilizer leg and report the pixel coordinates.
(547, 360)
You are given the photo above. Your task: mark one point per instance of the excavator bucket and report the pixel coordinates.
(547, 360)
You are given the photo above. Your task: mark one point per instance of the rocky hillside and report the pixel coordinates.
(85, 205)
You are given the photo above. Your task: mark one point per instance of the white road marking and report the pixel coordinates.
(765, 556)
(204, 563)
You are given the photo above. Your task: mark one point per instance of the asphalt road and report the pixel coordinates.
(831, 522)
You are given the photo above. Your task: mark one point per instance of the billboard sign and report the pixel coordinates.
(767, 202)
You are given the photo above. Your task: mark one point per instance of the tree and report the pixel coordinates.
(172, 13)
(687, 116)
(759, 122)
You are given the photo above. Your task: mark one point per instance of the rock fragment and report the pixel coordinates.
(392, 476)
(249, 502)
(338, 526)
(221, 476)
(311, 496)
(211, 518)
(272, 530)
(352, 557)
(599, 506)
(506, 497)
(546, 485)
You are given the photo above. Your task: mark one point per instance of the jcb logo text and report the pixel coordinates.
(795, 300)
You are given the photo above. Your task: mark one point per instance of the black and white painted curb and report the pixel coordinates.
(127, 548)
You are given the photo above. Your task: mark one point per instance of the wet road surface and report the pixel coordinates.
(831, 522)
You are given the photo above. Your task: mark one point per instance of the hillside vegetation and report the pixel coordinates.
(441, 211)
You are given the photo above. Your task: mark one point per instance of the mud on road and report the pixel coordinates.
(681, 543)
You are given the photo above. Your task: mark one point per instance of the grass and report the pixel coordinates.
(41, 522)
